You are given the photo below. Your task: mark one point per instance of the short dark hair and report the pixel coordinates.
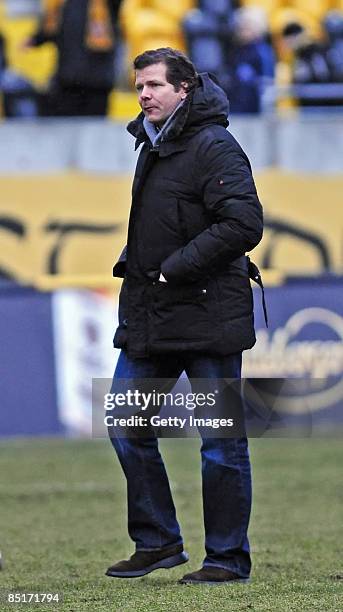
(292, 28)
(179, 67)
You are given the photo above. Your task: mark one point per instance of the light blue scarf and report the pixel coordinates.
(157, 136)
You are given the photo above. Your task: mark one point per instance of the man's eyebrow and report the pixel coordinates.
(151, 82)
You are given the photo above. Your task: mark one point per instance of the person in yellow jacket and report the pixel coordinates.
(150, 24)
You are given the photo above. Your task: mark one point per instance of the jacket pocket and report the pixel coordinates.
(236, 299)
(179, 313)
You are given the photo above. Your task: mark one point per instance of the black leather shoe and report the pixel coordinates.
(143, 562)
(212, 575)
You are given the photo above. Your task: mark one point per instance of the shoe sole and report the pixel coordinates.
(166, 563)
(215, 583)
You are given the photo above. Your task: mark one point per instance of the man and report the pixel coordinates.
(186, 305)
(85, 37)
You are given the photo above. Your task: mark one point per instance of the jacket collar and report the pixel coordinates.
(136, 128)
(170, 142)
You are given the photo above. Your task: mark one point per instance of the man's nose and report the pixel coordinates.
(146, 93)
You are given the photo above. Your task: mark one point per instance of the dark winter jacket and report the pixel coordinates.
(78, 66)
(195, 213)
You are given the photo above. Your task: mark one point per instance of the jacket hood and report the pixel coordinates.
(207, 104)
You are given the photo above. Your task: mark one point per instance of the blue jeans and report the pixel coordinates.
(226, 476)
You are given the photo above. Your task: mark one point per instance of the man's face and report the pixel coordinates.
(157, 98)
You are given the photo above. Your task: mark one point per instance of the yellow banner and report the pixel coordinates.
(75, 224)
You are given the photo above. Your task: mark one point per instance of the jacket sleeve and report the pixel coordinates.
(40, 37)
(119, 268)
(230, 198)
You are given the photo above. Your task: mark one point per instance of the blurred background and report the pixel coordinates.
(66, 164)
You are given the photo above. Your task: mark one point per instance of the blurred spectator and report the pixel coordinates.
(333, 27)
(251, 60)
(315, 62)
(85, 37)
(280, 19)
(151, 24)
(232, 45)
(19, 96)
(310, 65)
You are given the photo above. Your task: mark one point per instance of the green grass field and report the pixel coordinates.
(63, 521)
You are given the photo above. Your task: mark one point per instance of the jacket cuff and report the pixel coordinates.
(176, 270)
(119, 269)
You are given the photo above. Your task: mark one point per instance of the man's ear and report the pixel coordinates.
(184, 89)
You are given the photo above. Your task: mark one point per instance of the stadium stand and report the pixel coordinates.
(268, 5)
(36, 65)
(149, 24)
(233, 45)
(206, 29)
